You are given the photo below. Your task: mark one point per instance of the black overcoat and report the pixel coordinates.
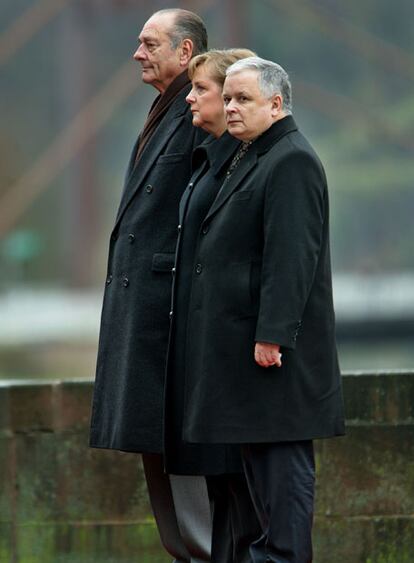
(127, 408)
(180, 457)
(262, 273)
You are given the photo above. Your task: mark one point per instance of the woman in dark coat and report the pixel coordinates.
(221, 464)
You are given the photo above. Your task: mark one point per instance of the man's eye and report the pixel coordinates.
(243, 99)
(226, 100)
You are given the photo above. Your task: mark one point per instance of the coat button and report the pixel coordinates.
(148, 188)
(199, 269)
(125, 282)
(205, 229)
(179, 228)
(114, 236)
(173, 270)
(190, 186)
(171, 314)
(131, 238)
(109, 279)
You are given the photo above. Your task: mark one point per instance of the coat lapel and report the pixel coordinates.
(213, 154)
(152, 151)
(187, 192)
(247, 163)
(265, 142)
(132, 158)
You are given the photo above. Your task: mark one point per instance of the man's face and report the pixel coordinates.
(160, 63)
(248, 112)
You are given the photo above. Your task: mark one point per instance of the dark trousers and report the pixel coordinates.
(281, 479)
(235, 523)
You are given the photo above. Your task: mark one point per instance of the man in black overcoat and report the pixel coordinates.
(262, 367)
(127, 409)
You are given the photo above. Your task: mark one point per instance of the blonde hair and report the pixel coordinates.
(218, 61)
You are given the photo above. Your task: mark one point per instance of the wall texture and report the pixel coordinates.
(61, 502)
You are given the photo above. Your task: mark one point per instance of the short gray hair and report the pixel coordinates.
(272, 78)
(187, 25)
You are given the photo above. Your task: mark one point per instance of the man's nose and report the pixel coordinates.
(139, 54)
(229, 108)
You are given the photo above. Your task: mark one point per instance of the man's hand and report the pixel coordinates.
(267, 355)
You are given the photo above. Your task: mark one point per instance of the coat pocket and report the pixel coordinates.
(171, 158)
(163, 262)
(243, 195)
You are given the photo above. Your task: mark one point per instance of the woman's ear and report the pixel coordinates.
(186, 52)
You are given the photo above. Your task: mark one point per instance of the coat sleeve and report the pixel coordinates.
(293, 217)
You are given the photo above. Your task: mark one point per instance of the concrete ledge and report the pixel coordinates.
(379, 398)
(64, 502)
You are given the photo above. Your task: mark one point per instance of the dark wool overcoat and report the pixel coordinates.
(180, 457)
(262, 273)
(127, 410)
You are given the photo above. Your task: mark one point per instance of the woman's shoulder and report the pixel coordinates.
(215, 151)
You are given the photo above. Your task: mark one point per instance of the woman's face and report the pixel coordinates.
(206, 102)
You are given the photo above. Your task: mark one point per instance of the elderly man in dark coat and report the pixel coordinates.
(261, 362)
(128, 397)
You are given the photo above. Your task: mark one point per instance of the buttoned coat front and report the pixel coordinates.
(262, 273)
(180, 457)
(127, 409)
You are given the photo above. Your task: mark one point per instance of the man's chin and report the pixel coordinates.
(147, 76)
(235, 130)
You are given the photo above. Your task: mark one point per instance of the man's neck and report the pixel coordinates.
(162, 88)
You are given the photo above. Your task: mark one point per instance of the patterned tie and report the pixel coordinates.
(244, 147)
(241, 151)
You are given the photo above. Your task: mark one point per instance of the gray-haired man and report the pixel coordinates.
(261, 334)
(128, 396)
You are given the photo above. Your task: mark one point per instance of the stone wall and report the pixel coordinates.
(62, 502)
(365, 508)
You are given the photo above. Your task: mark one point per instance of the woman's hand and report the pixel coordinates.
(267, 354)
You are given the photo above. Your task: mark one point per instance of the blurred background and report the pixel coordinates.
(73, 104)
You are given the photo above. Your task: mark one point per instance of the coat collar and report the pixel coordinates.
(261, 145)
(272, 135)
(213, 155)
(216, 151)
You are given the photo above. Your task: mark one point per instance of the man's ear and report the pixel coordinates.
(186, 52)
(277, 105)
